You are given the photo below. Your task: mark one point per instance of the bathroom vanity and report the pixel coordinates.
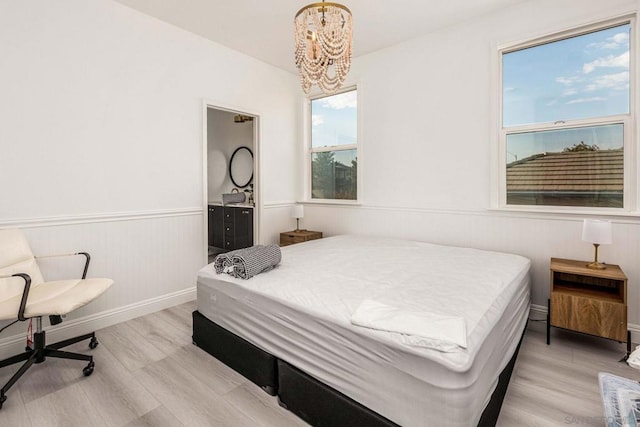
(230, 227)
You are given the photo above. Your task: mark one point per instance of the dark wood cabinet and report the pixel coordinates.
(230, 227)
(216, 215)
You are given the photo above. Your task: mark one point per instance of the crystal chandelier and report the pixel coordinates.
(323, 45)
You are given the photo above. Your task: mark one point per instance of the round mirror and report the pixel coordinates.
(241, 167)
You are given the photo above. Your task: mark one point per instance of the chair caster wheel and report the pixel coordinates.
(2, 399)
(93, 343)
(88, 370)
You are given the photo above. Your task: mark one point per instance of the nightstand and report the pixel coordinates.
(298, 236)
(590, 301)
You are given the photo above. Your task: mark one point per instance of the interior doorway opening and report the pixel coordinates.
(231, 184)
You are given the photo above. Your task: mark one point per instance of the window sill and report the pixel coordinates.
(566, 211)
(331, 202)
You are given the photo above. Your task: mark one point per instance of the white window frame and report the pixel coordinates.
(309, 151)
(630, 195)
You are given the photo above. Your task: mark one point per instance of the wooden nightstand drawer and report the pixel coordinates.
(292, 237)
(289, 239)
(597, 317)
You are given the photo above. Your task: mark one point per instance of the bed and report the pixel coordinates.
(290, 332)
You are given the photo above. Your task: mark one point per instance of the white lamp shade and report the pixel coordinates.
(597, 231)
(297, 211)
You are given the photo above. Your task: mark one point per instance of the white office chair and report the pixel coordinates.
(24, 295)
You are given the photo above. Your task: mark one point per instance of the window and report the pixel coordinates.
(334, 147)
(566, 120)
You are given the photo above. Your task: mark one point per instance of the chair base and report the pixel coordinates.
(40, 352)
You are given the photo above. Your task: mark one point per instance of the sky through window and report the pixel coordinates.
(576, 78)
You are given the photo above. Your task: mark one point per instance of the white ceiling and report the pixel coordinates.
(264, 29)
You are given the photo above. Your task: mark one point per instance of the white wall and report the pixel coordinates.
(101, 142)
(428, 129)
(224, 136)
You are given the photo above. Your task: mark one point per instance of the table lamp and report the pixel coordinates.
(297, 212)
(598, 232)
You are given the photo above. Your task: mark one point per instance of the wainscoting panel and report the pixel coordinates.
(276, 218)
(153, 260)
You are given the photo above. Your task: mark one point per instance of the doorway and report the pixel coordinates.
(231, 180)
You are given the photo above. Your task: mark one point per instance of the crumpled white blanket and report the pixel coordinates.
(634, 358)
(421, 329)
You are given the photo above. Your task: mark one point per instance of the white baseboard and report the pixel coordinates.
(68, 329)
(539, 312)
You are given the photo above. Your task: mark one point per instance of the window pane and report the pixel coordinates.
(576, 78)
(334, 120)
(568, 167)
(334, 175)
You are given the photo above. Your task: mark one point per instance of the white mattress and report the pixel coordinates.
(300, 312)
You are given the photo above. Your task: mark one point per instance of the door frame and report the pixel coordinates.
(257, 188)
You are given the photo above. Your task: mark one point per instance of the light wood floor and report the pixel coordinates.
(149, 374)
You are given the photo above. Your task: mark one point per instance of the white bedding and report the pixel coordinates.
(301, 311)
(416, 328)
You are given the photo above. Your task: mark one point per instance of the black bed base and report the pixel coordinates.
(490, 414)
(320, 405)
(305, 396)
(250, 361)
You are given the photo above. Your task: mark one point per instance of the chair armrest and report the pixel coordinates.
(25, 293)
(86, 264)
